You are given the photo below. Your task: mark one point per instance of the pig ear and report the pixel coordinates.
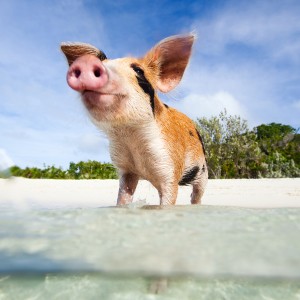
(170, 57)
(74, 50)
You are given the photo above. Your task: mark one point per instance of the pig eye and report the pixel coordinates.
(139, 71)
(101, 56)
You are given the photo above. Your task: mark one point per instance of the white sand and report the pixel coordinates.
(27, 193)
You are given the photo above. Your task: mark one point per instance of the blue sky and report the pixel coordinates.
(246, 59)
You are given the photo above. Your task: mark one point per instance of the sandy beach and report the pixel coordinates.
(26, 193)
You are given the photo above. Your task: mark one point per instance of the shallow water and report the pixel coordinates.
(200, 252)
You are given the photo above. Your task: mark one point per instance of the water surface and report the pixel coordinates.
(199, 252)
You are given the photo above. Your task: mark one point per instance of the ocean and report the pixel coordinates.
(150, 252)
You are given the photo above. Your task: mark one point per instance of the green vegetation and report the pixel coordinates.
(232, 151)
(81, 170)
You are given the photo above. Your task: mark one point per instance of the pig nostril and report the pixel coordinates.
(97, 72)
(77, 73)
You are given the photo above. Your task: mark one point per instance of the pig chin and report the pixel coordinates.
(98, 100)
(99, 104)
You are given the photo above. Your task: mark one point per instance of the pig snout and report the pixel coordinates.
(87, 73)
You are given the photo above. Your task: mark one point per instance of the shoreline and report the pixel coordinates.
(57, 193)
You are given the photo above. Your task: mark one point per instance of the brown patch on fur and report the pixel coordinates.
(74, 50)
(176, 128)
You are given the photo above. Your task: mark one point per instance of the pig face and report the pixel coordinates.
(123, 91)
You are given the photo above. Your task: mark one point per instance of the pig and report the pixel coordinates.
(148, 139)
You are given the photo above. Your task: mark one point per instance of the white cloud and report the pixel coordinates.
(250, 50)
(197, 105)
(90, 142)
(270, 26)
(5, 160)
(93, 143)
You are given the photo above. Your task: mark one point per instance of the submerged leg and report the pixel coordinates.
(128, 183)
(158, 286)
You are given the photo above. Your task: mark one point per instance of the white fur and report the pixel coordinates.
(141, 150)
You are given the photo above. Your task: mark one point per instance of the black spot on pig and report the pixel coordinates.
(189, 176)
(144, 84)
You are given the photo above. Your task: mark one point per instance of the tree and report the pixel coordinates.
(80, 170)
(91, 170)
(273, 131)
(232, 149)
(281, 147)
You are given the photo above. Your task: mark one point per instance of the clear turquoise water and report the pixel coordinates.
(195, 252)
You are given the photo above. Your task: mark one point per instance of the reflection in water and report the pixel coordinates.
(95, 286)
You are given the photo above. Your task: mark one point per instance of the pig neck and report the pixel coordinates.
(141, 149)
(128, 129)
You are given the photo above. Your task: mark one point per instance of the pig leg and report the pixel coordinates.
(168, 194)
(197, 193)
(199, 187)
(128, 183)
